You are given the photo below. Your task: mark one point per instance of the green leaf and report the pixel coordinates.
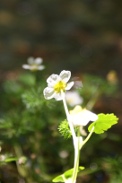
(103, 123)
(59, 178)
(66, 175)
(69, 172)
(64, 129)
(7, 160)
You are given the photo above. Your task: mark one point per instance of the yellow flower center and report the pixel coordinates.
(33, 67)
(77, 110)
(61, 85)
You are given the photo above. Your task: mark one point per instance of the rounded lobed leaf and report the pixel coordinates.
(103, 123)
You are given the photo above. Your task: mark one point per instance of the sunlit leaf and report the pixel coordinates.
(103, 123)
(7, 160)
(59, 178)
(66, 175)
(69, 172)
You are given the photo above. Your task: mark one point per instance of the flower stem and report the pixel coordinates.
(76, 141)
(87, 138)
(68, 118)
(78, 147)
(76, 160)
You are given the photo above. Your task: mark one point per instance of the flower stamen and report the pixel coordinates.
(60, 86)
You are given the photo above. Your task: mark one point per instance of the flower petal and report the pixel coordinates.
(92, 116)
(69, 180)
(25, 66)
(83, 118)
(51, 80)
(73, 98)
(48, 93)
(38, 60)
(41, 67)
(69, 85)
(30, 60)
(58, 96)
(65, 75)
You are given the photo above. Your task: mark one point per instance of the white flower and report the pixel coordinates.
(34, 64)
(69, 180)
(81, 117)
(57, 84)
(73, 98)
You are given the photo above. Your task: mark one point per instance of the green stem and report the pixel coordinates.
(87, 138)
(76, 160)
(77, 154)
(68, 118)
(75, 140)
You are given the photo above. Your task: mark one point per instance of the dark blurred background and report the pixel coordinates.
(80, 35)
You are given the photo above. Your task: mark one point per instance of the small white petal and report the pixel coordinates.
(58, 96)
(51, 80)
(30, 60)
(25, 66)
(93, 116)
(38, 60)
(78, 84)
(33, 67)
(41, 67)
(65, 75)
(83, 117)
(73, 98)
(69, 180)
(69, 85)
(48, 93)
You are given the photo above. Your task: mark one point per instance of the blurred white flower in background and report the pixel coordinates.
(34, 64)
(73, 98)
